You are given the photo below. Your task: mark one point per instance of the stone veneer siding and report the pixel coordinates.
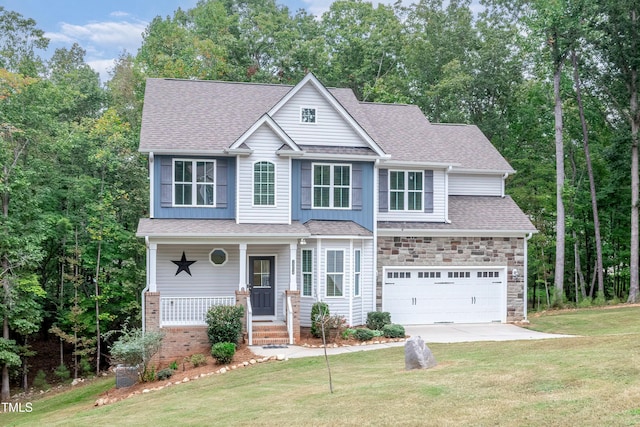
(454, 252)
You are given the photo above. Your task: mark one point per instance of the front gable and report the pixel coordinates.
(311, 115)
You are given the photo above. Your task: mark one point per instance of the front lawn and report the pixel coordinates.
(589, 380)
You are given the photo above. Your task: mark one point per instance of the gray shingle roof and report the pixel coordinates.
(198, 115)
(474, 213)
(164, 227)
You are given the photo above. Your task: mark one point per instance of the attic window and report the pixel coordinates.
(308, 115)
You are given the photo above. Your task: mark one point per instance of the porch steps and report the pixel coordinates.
(265, 333)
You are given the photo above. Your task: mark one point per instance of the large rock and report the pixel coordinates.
(417, 355)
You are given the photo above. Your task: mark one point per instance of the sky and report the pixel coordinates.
(105, 28)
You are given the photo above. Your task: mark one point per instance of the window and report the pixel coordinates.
(308, 115)
(335, 273)
(331, 186)
(307, 272)
(264, 177)
(193, 182)
(405, 190)
(218, 257)
(356, 272)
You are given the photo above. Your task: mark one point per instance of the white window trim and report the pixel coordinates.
(315, 112)
(194, 184)
(357, 273)
(326, 272)
(275, 185)
(331, 185)
(302, 272)
(226, 257)
(406, 191)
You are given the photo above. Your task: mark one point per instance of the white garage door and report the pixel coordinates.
(458, 295)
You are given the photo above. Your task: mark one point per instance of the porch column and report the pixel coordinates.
(153, 256)
(243, 267)
(293, 251)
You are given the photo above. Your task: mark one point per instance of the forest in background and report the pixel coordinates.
(552, 83)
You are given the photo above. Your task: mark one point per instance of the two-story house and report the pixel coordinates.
(276, 196)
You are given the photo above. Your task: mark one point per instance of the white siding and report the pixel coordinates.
(330, 127)
(475, 185)
(438, 214)
(205, 280)
(264, 144)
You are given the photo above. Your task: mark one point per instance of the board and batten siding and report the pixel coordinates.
(475, 185)
(330, 128)
(439, 203)
(206, 279)
(264, 144)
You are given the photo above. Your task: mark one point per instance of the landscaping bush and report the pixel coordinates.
(363, 334)
(136, 348)
(164, 374)
(198, 360)
(377, 319)
(62, 373)
(223, 352)
(319, 313)
(393, 330)
(224, 323)
(40, 381)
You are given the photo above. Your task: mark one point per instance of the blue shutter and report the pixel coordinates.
(383, 190)
(428, 191)
(221, 183)
(356, 187)
(305, 184)
(166, 182)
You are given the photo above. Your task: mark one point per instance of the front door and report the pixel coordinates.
(262, 276)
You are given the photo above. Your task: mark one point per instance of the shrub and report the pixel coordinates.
(136, 348)
(85, 367)
(173, 365)
(223, 352)
(348, 333)
(393, 330)
(363, 334)
(377, 319)
(224, 323)
(164, 374)
(62, 373)
(198, 360)
(40, 381)
(319, 313)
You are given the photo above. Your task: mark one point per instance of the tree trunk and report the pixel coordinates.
(635, 125)
(5, 392)
(560, 220)
(592, 182)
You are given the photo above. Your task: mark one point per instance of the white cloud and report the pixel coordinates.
(107, 35)
(102, 67)
(119, 14)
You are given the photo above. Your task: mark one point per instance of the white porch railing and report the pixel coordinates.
(290, 320)
(179, 311)
(249, 321)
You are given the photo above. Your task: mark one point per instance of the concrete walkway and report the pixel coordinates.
(442, 333)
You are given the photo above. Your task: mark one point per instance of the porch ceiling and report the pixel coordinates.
(148, 227)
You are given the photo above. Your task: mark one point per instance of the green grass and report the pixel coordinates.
(593, 379)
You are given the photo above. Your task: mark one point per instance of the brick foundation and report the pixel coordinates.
(180, 342)
(457, 251)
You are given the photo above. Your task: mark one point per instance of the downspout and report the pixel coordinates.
(525, 273)
(146, 288)
(151, 184)
(504, 179)
(446, 192)
(374, 255)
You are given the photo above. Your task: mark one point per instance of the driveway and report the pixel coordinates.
(441, 333)
(454, 332)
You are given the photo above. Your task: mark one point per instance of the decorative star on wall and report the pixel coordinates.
(183, 264)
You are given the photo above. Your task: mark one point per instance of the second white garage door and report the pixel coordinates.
(457, 295)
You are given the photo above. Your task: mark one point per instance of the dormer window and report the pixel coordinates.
(308, 115)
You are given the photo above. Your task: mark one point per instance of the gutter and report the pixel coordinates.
(446, 192)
